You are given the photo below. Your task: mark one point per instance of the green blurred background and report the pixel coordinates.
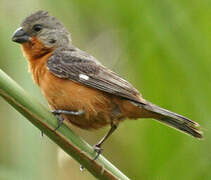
(162, 47)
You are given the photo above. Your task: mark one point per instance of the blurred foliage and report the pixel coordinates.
(162, 47)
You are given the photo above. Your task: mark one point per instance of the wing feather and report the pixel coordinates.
(73, 65)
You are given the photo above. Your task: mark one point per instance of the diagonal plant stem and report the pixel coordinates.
(43, 119)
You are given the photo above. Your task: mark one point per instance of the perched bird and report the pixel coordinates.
(78, 88)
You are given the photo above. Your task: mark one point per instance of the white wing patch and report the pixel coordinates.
(83, 76)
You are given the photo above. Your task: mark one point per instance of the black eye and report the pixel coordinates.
(37, 27)
(52, 41)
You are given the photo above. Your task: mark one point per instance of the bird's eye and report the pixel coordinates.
(37, 27)
(52, 41)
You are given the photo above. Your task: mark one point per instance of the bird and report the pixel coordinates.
(78, 88)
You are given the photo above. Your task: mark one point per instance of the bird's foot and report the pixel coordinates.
(59, 112)
(60, 121)
(98, 150)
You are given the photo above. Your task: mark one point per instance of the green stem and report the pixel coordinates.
(43, 119)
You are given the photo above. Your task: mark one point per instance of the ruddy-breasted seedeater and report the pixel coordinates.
(78, 88)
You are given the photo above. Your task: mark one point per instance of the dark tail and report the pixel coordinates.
(174, 120)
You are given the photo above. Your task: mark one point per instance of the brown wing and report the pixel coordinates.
(83, 68)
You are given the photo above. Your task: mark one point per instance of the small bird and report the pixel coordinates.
(78, 88)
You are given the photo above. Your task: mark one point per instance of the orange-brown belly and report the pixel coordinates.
(68, 95)
(100, 108)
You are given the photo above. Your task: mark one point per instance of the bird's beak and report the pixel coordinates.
(20, 36)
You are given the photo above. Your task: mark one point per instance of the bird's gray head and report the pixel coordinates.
(47, 29)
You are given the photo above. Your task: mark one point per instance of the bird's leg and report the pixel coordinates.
(97, 147)
(59, 112)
